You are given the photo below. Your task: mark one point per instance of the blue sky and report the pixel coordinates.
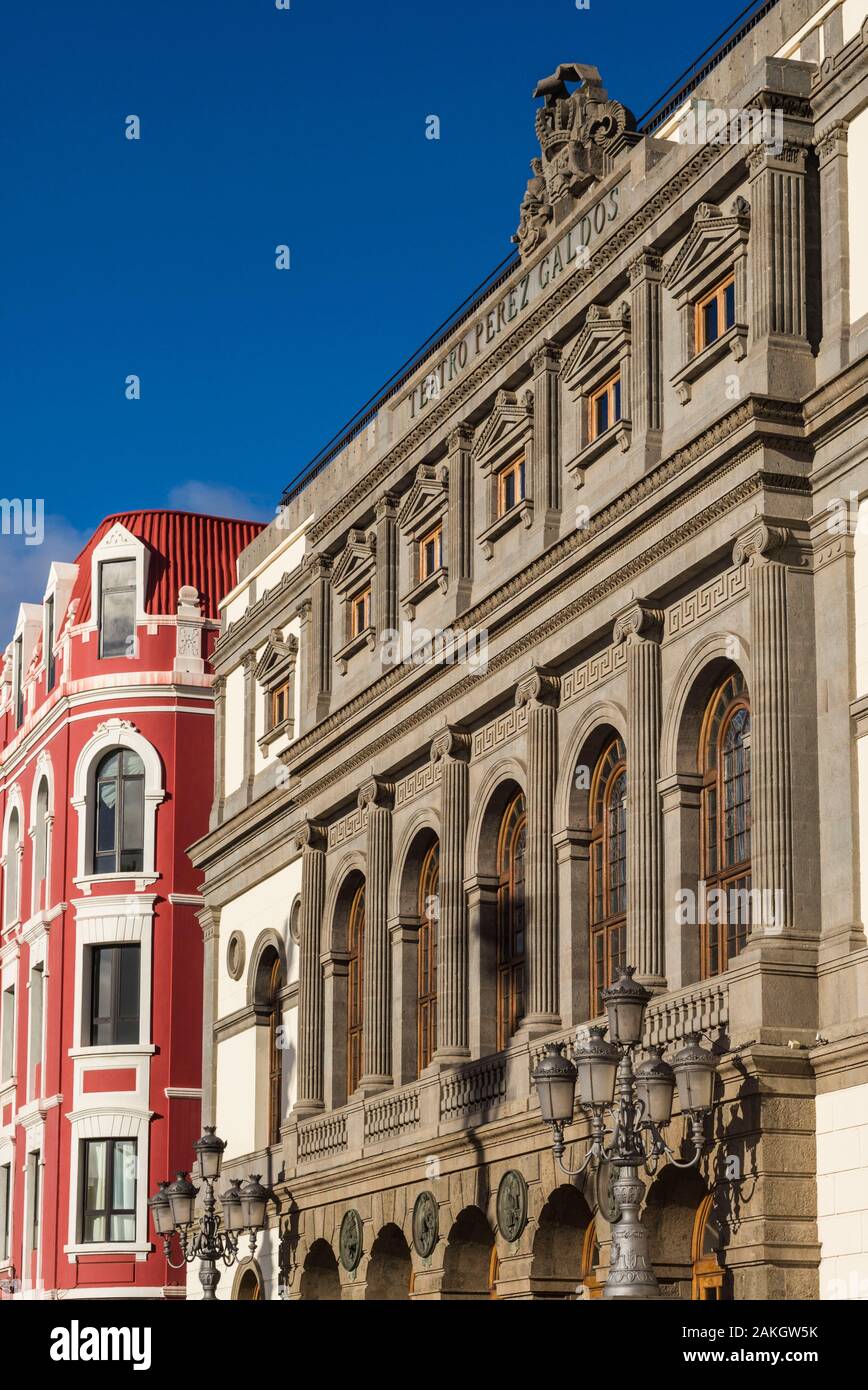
(259, 126)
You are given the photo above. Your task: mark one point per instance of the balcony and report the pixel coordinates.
(492, 1089)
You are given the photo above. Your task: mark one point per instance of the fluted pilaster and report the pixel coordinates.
(460, 558)
(317, 639)
(547, 427)
(540, 691)
(311, 840)
(834, 247)
(646, 406)
(377, 796)
(778, 242)
(451, 748)
(386, 588)
(249, 664)
(219, 692)
(641, 627)
(771, 749)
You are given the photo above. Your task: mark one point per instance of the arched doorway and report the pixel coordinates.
(320, 1280)
(248, 1286)
(670, 1217)
(558, 1244)
(390, 1269)
(469, 1269)
(707, 1268)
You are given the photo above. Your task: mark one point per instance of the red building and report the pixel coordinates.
(106, 767)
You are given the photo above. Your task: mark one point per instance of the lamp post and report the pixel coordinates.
(639, 1101)
(208, 1239)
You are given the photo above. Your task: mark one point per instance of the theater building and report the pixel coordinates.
(106, 774)
(558, 661)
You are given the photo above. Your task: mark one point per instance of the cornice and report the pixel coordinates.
(754, 410)
(671, 192)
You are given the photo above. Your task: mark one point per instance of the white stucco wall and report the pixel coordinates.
(842, 1192)
(236, 1093)
(857, 181)
(234, 755)
(265, 906)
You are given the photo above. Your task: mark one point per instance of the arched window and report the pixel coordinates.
(13, 877)
(119, 829)
(511, 845)
(248, 1287)
(608, 877)
(707, 1269)
(724, 761)
(355, 988)
(40, 845)
(429, 922)
(275, 1064)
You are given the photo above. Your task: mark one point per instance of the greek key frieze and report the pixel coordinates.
(578, 682)
(693, 608)
(500, 730)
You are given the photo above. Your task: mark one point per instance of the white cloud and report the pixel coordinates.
(215, 499)
(24, 568)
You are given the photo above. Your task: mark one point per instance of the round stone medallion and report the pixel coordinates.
(351, 1240)
(512, 1205)
(426, 1223)
(235, 955)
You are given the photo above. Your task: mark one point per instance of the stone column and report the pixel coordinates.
(249, 664)
(312, 841)
(451, 748)
(778, 237)
(547, 436)
(219, 690)
(386, 588)
(540, 691)
(316, 642)
(835, 249)
(209, 920)
(460, 557)
(641, 627)
(378, 797)
(771, 751)
(646, 404)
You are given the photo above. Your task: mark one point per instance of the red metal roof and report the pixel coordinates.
(185, 548)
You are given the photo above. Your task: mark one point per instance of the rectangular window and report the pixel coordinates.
(431, 553)
(279, 705)
(510, 486)
(34, 1174)
(117, 607)
(604, 407)
(37, 1001)
(715, 313)
(114, 996)
(108, 1204)
(5, 1210)
(360, 612)
(48, 639)
(18, 677)
(7, 1054)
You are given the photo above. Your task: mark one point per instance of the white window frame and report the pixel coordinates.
(44, 772)
(14, 802)
(116, 920)
(116, 733)
(118, 544)
(113, 1123)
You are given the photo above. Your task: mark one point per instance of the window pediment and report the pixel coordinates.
(427, 499)
(604, 337)
(712, 241)
(509, 428)
(356, 562)
(277, 661)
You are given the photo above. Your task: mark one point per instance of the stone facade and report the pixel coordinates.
(488, 589)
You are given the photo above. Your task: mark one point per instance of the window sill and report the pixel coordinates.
(283, 730)
(734, 341)
(620, 433)
(141, 1249)
(140, 881)
(521, 512)
(438, 579)
(355, 644)
(112, 1050)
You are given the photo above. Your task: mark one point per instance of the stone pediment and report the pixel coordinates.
(508, 425)
(355, 561)
(119, 535)
(426, 498)
(579, 132)
(277, 660)
(712, 237)
(603, 331)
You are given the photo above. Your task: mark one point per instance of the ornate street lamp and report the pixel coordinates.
(208, 1239)
(639, 1100)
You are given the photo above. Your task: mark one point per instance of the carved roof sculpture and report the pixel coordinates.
(578, 133)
